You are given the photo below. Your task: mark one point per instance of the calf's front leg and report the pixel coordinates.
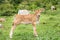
(34, 29)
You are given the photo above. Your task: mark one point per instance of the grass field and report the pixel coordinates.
(48, 29)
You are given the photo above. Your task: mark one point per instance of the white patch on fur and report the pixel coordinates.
(26, 22)
(23, 12)
(37, 22)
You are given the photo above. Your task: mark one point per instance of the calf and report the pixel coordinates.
(26, 19)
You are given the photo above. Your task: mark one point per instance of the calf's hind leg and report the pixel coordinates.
(13, 27)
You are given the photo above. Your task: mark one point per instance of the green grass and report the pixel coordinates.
(48, 29)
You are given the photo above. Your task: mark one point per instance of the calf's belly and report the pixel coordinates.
(37, 22)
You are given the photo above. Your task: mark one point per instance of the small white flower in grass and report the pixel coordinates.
(1, 26)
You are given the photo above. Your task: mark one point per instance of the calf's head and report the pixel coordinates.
(38, 12)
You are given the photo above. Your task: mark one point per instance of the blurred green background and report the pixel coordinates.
(10, 7)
